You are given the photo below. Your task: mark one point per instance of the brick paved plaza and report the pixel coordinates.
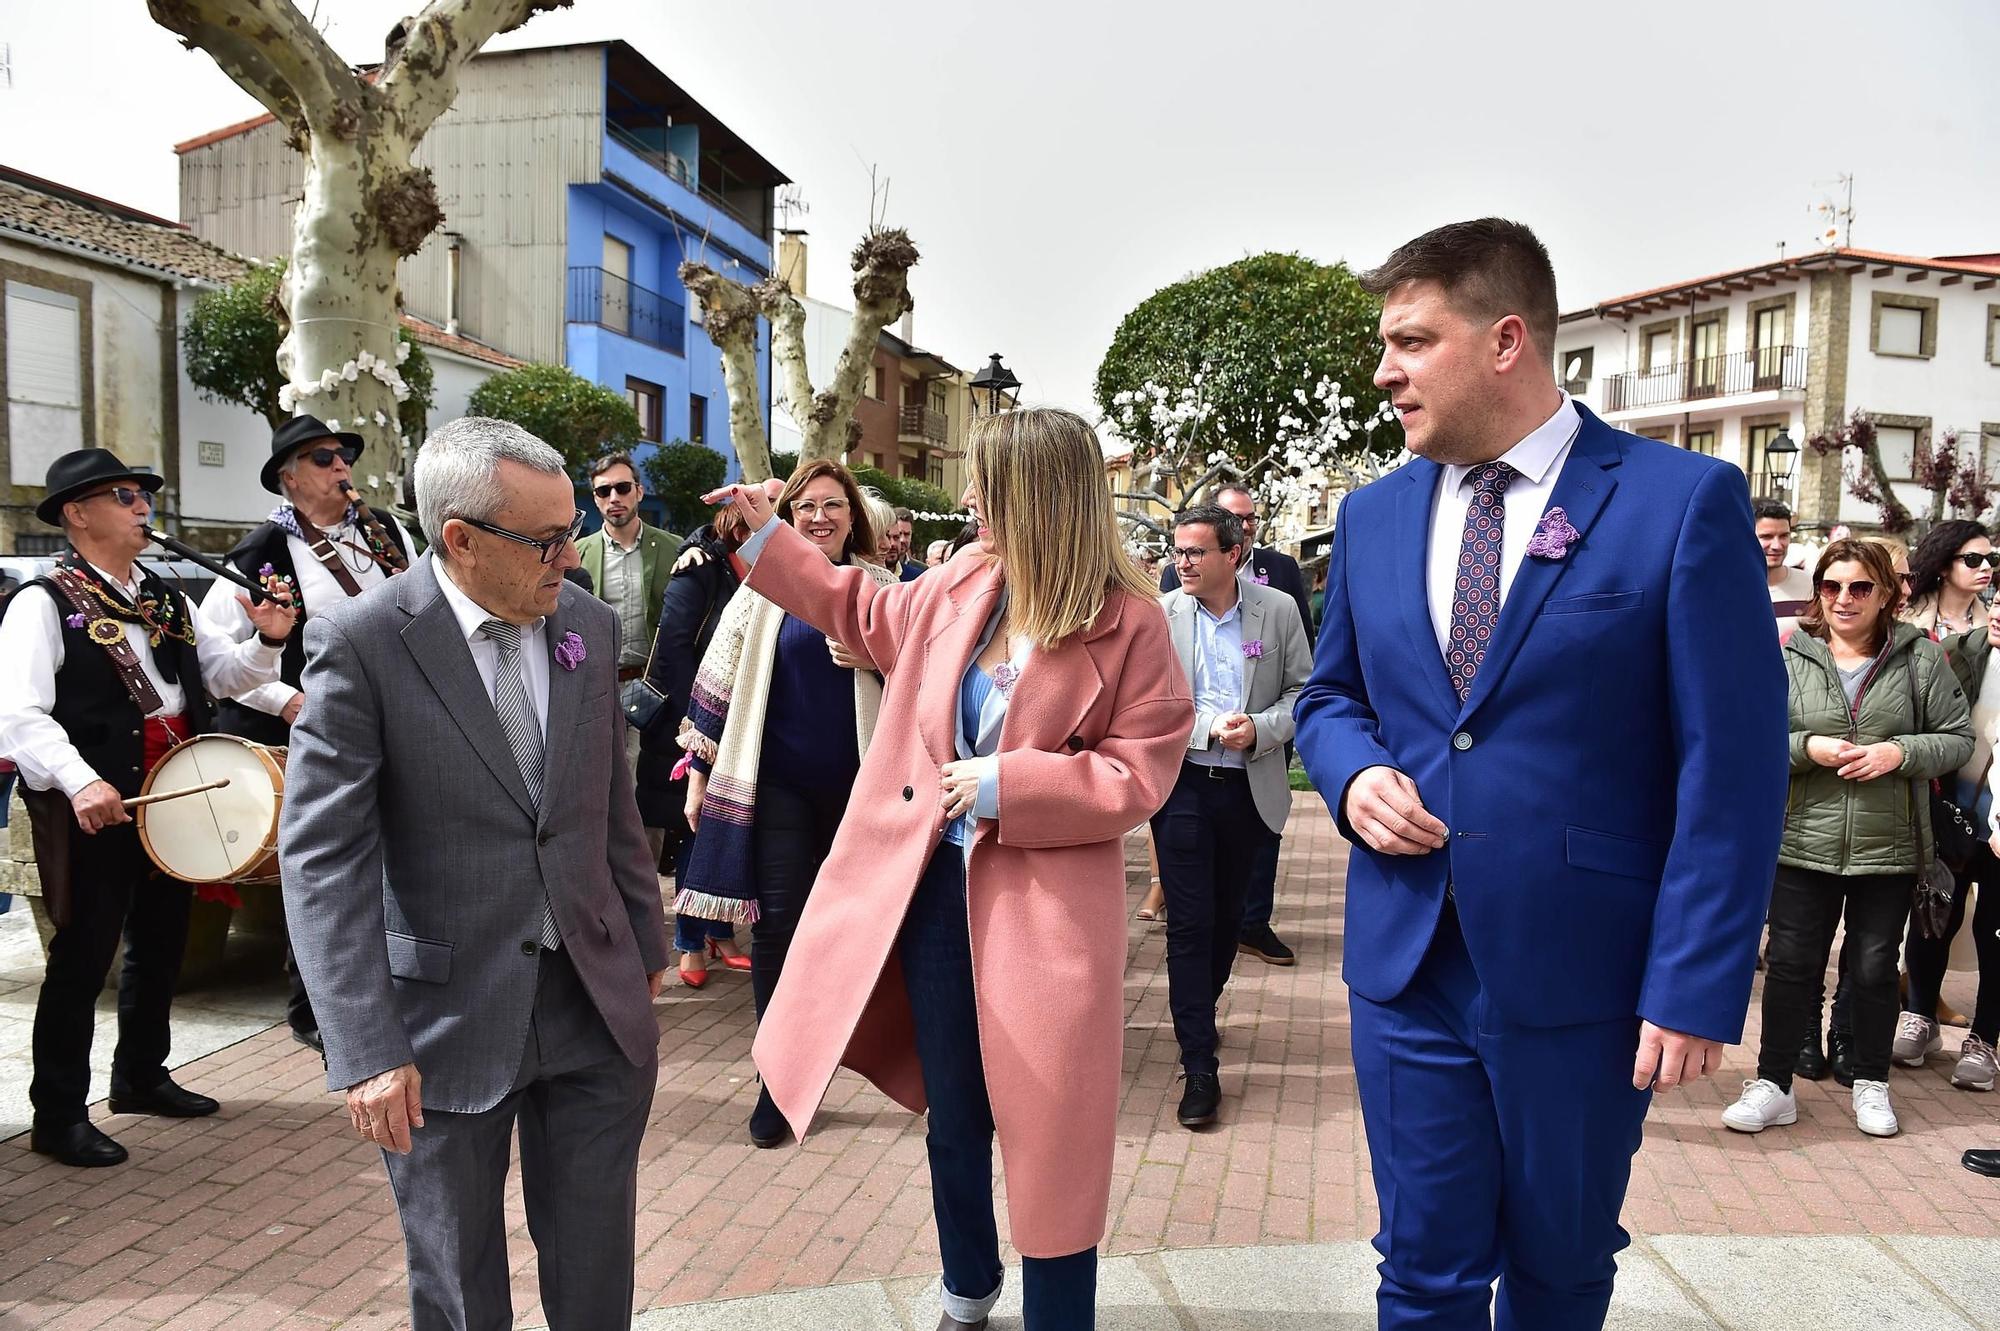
(272, 1216)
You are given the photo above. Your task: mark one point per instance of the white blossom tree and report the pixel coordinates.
(1318, 445)
(366, 205)
(882, 263)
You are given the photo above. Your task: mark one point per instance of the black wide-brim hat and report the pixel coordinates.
(295, 434)
(87, 468)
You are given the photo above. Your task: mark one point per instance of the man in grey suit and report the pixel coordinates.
(1247, 656)
(472, 898)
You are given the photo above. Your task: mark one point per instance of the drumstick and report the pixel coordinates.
(142, 800)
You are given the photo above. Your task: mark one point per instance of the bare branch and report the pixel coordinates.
(272, 52)
(1141, 520)
(729, 316)
(788, 343)
(421, 81)
(882, 263)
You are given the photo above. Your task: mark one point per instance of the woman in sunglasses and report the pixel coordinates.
(1875, 713)
(1951, 571)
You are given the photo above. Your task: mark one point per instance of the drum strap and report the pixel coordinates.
(131, 673)
(320, 545)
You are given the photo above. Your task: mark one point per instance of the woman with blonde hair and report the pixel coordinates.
(1034, 712)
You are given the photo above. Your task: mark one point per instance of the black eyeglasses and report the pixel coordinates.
(619, 488)
(1189, 554)
(126, 495)
(1860, 590)
(548, 549)
(323, 457)
(1972, 559)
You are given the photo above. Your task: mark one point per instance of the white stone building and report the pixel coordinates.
(1726, 363)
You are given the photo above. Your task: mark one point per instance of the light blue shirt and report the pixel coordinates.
(1218, 678)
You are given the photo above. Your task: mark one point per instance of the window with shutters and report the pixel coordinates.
(44, 331)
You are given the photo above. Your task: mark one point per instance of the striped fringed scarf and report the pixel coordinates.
(724, 733)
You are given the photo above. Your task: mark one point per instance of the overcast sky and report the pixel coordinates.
(1058, 162)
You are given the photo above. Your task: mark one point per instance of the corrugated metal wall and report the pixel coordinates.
(525, 127)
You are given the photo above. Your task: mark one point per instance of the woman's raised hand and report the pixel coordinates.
(752, 502)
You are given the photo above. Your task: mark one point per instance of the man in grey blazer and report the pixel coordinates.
(1247, 656)
(471, 894)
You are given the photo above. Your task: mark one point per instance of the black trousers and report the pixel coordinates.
(1209, 836)
(1806, 908)
(791, 838)
(115, 890)
(1926, 958)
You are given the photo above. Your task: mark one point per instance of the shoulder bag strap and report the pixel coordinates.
(329, 558)
(131, 673)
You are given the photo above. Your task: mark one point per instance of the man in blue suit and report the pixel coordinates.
(1548, 711)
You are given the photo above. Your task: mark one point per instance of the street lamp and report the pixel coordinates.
(1781, 455)
(998, 383)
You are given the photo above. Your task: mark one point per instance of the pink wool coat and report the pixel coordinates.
(1091, 745)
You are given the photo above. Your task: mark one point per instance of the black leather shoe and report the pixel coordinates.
(767, 1126)
(1266, 946)
(310, 1039)
(1840, 1053)
(79, 1144)
(1812, 1060)
(1201, 1098)
(165, 1100)
(1979, 1162)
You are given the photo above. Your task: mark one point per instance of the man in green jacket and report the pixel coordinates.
(629, 563)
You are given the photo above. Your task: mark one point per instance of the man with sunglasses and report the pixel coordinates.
(629, 561)
(327, 548)
(103, 668)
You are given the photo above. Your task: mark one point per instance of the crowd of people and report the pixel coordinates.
(534, 777)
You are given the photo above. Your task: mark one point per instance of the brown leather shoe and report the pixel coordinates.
(946, 1322)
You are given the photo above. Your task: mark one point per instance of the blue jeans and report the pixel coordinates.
(1058, 1293)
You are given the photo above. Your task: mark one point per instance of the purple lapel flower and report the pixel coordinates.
(1262, 579)
(1253, 650)
(1554, 537)
(74, 621)
(569, 652)
(1004, 678)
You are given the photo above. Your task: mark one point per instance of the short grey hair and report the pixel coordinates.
(458, 471)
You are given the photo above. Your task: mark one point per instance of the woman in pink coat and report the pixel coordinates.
(1033, 712)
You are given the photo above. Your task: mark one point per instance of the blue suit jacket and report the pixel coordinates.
(1614, 785)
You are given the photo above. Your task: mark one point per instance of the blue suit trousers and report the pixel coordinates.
(1501, 1152)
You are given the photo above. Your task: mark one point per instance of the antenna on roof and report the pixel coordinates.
(792, 206)
(7, 62)
(1836, 222)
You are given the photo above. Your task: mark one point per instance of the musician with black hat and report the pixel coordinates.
(325, 545)
(103, 668)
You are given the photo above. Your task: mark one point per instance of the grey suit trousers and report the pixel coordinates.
(582, 1109)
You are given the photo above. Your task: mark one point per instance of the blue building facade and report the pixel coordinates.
(675, 184)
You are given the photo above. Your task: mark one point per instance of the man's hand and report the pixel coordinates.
(1383, 807)
(275, 617)
(692, 556)
(387, 1106)
(1868, 761)
(290, 712)
(99, 805)
(1234, 730)
(1827, 751)
(697, 789)
(1668, 1058)
(657, 982)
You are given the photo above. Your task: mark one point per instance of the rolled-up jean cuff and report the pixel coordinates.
(962, 1309)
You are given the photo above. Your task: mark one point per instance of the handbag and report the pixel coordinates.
(1930, 903)
(641, 701)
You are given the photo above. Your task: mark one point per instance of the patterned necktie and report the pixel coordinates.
(1475, 599)
(524, 736)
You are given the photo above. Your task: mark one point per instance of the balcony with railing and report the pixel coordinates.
(742, 206)
(1765, 370)
(609, 301)
(920, 425)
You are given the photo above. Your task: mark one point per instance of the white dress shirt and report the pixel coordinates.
(31, 652)
(1218, 682)
(222, 613)
(486, 654)
(1538, 460)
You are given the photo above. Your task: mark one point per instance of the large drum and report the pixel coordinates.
(228, 835)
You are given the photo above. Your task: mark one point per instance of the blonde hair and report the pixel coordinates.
(1039, 475)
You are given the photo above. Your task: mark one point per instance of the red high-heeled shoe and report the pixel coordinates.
(693, 979)
(736, 963)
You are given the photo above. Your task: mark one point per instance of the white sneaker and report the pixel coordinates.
(1872, 1113)
(1917, 1039)
(1762, 1105)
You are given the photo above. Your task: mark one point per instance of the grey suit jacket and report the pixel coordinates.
(414, 864)
(1271, 684)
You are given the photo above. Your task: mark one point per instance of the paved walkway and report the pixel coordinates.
(271, 1215)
